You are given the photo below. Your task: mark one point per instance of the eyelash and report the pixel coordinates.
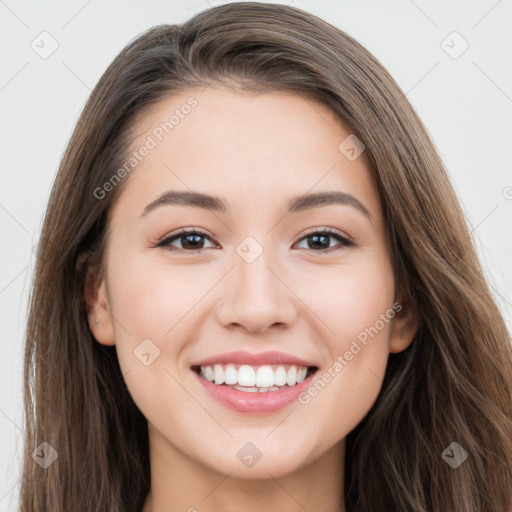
(165, 242)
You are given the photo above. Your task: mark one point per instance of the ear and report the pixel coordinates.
(97, 302)
(404, 326)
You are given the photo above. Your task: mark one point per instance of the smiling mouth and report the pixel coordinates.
(255, 379)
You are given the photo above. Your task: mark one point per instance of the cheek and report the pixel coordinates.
(145, 306)
(149, 307)
(151, 298)
(352, 301)
(153, 305)
(357, 307)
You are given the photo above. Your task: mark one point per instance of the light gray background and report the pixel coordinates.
(465, 103)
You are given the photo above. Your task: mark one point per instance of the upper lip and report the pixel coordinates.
(254, 359)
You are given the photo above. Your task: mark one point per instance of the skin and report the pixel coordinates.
(256, 152)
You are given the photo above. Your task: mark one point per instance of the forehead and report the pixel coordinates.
(245, 147)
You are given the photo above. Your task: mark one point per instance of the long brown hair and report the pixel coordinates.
(453, 383)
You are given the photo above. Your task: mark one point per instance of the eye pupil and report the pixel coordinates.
(316, 238)
(197, 239)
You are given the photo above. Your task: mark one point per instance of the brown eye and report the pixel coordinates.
(191, 241)
(319, 241)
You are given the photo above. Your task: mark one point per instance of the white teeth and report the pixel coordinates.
(280, 376)
(263, 378)
(254, 389)
(208, 373)
(218, 374)
(246, 389)
(301, 374)
(246, 375)
(230, 375)
(291, 376)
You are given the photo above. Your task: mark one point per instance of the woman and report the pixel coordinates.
(190, 346)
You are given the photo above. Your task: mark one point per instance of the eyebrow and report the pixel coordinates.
(216, 204)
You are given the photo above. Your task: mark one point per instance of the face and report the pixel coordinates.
(253, 290)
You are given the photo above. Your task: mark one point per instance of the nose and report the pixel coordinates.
(255, 297)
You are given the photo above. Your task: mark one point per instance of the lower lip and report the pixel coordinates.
(256, 402)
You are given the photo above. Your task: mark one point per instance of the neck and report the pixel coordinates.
(179, 484)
